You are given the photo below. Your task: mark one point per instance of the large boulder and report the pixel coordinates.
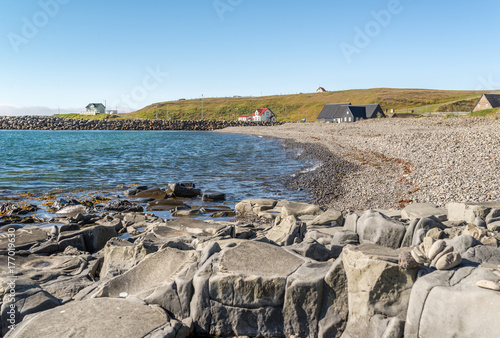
(469, 211)
(94, 237)
(24, 238)
(254, 206)
(297, 209)
(421, 210)
(286, 231)
(28, 298)
(163, 278)
(376, 286)
(120, 255)
(331, 217)
(451, 302)
(103, 317)
(184, 190)
(374, 227)
(257, 289)
(335, 306)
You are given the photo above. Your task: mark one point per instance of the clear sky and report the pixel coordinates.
(63, 54)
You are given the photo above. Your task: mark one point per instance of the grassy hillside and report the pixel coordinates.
(295, 107)
(458, 106)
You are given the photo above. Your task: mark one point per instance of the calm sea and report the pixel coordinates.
(64, 161)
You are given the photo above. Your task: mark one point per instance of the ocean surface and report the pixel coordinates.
(242, 166)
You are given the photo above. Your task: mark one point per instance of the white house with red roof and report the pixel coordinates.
(245, 118)
(262, 114)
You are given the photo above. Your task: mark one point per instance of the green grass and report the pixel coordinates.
(458, 106)
(88, 117)
(299, 106)
(485, 112)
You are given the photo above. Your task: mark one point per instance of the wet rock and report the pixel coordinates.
(209, 196)
(164, 204)
(155, 193)
(123, 206)
(72, 210)
(187, 213)
(182, 190)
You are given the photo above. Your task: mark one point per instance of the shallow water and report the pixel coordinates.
(242, 166)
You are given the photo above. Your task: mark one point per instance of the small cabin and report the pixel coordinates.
(487, 101)
(321, 90)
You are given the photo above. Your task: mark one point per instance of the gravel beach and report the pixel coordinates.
(388, 163)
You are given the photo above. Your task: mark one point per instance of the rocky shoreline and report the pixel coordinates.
(361, 262)
(106, 267)
(56, 123)
(389, 163)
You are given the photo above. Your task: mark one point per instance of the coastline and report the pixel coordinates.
(390, 163)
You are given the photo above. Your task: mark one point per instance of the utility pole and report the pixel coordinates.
(202, 107)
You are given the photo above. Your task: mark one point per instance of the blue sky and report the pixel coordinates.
(63, 54)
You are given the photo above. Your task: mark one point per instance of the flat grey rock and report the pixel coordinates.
(421, 210)
(104, 317)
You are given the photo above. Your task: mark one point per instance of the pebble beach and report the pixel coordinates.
(389, 163)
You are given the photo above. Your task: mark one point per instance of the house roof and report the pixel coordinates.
(262, 110)
(329, 111)
(371, 109)
(244, 116)
(494, 99)
(94, 104)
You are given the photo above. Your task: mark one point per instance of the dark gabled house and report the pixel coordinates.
(487, 101)
(329, 111)
(345, 112)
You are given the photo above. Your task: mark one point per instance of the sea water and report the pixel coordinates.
(242, 166)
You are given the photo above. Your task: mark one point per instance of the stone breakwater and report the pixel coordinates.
(56, 123)
(279, 269)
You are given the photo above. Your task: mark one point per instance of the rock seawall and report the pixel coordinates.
(57, 123)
